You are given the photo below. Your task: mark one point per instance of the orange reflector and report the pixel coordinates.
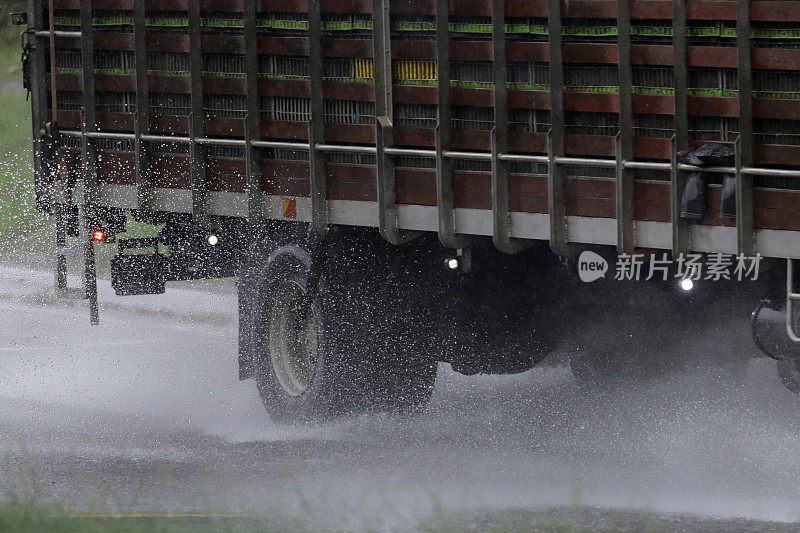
(98, 235)
(289, 208)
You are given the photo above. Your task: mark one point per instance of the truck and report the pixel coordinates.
(401, 183)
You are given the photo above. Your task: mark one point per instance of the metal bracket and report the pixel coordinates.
(501, 218)
(387, 206)
(384, 133)
(556, 202)
(445, 211)
(791, 297)
(624, 195)
(318, 185)
(680, 229)
(745, 233)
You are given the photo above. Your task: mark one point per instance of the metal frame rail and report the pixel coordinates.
(565, 161)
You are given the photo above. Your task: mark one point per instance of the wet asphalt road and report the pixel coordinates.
(144, 414)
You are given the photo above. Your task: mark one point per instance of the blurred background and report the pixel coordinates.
(23, 231)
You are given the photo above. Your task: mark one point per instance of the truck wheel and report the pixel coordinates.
(789, 372)
(320, 351)
(302, 367)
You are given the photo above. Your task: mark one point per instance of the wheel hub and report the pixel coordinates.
(293, 333)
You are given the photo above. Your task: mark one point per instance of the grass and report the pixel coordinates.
(27, 517)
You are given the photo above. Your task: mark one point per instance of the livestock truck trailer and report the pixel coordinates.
(398, 183)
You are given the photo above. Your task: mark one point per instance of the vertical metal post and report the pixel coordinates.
(90, 186)
(53, 89)
(744, 145)
(680, 141)
(384, 137)
(252, 126)
(316, 128)
(746, 239)
(556, 174)
(624, 142)
(197, 152)
(382, 57)
(444, 167)
(501, 217)
(387, 203)
(43, 164)
(680, 230)
(144, 183)
(680, 73)
(60, 238)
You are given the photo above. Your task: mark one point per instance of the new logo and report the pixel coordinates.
(591, 266)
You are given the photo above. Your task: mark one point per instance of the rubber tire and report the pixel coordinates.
(789, 372)
(332, 390)
(364, 365)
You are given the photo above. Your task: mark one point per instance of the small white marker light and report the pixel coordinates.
(213, 240)
(452, 263)
(687, 284)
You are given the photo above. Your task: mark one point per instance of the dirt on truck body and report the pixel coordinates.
(402, 183)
